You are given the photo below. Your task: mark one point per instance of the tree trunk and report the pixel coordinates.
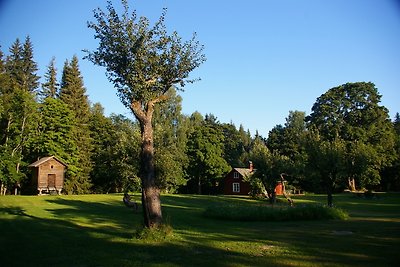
(273, 198)
(150, 192)
(199, 186)
(330, 196)
(330, 200)
(284, 191)
(352, 184)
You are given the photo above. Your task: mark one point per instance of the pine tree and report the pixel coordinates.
(73, 93)
(13, 62)
(30, 80)
(50, 88)
(19, 112)
(21, 66)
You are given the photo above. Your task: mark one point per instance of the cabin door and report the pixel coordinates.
(51, 180)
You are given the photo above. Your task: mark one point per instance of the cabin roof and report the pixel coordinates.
(245, 172)
(43, 160)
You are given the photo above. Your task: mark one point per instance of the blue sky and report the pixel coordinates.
(264, 58)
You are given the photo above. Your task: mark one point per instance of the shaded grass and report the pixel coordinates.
(98, 230)
(264, 212)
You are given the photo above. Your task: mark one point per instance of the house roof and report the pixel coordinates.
(245, 172)
(43, 160)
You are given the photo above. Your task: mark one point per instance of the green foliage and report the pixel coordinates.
(116, 145)
(205, 150)
(171, 133)
(351, 113)
(54, 134)
(73, 94)
(326, 162)
(142, 62)
(54, 137)
(269, 166)
(21, 67)
(157, 234)
(257, 188)
(234, 145)
(50, 88)
(18, 117)
(242, 212)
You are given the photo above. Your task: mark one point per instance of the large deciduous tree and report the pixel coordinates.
(205, 149)
(351, 112)
(143, 62)
(270, 167)
(326, 162)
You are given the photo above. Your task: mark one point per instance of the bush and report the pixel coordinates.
(157, 234)
(237, 212)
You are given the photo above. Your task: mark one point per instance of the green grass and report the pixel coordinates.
(268, 213)
(98, 230)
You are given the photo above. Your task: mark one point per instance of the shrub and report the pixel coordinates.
(242, 212)
(157, 234)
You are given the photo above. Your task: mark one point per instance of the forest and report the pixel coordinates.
(348, 141)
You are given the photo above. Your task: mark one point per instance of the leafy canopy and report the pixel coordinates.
(142, 62)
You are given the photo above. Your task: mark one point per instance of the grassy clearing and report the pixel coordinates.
(97, 230)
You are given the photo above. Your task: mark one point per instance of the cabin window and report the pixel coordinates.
(235, 175)
(236, 187)
(52, 166)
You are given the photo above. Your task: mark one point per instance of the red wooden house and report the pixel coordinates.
(235, 184)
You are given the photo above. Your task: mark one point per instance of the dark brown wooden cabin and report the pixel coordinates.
(48, 174)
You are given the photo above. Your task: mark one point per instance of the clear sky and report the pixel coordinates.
(264, 58)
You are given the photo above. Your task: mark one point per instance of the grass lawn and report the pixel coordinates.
(98, 230)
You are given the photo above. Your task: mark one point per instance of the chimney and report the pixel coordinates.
(251, 166)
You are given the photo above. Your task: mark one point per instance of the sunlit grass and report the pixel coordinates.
(98, 230)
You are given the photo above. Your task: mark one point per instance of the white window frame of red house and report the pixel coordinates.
(235, 175)
(236, 187)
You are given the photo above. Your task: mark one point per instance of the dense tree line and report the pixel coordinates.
(348, 140)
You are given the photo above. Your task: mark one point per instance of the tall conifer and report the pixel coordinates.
(50, 88)
(18, 119)
(73, 93)
(30, 81)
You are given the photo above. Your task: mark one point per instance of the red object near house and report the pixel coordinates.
(279, 189)
(235, 183)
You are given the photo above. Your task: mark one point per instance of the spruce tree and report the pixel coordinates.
(50, 88)
(30, 80)
(73, 93)
(19, 112)
(54, 136)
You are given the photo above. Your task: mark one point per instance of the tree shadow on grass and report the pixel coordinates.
(52, 242)
(80, 233)
(366, 242)
(70, 239)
